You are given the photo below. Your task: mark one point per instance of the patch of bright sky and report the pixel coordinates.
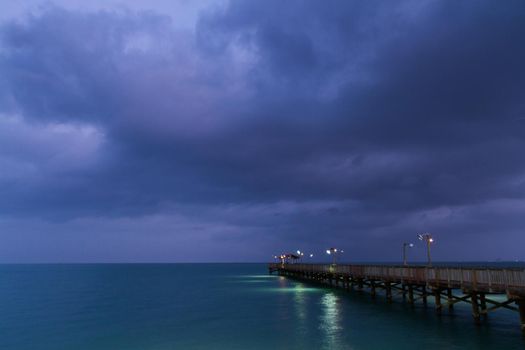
(183, 12)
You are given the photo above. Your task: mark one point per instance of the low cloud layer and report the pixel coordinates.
(263, 127)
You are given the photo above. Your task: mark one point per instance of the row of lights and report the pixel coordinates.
(299, 255)
(331, 251)
(426, 237)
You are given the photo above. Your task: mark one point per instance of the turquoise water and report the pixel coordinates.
(219, 306)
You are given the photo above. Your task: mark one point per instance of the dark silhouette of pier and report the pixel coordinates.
(447, 285)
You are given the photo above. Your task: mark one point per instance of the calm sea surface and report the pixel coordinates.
(219, 306)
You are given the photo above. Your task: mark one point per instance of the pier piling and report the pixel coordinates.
(475, 307)
(388, 289)
(521, 308)
(483, 305)
(437, 295)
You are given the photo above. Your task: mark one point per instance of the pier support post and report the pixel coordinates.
(475, 307)
(373, 289)
(424, 295)
(411, 294)
(483, 304)
(388, 288)
(521, 308)
(437, 296)
(360, 284)
(450, 300)
(404, 289)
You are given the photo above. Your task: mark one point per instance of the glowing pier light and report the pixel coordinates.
(427, 237)
(300, 254)
(405, 245)
(334, 252)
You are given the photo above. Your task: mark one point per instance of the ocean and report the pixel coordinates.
(220, 306)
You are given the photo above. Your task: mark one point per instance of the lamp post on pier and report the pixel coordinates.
(282, 259)
(405, 245)
(333, 252)
(427, 237)
(300, 254)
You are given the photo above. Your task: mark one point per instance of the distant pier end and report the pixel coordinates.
(414, 283)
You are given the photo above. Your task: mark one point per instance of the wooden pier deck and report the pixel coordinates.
(414, 283)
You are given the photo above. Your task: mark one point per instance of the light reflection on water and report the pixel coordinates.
(330, 321)
(291, 290)
(301, 309)
(252, 278)
(299, 299)
(248, 281)
(257, 276)
(285, 286)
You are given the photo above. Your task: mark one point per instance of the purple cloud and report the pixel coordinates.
(267, 124)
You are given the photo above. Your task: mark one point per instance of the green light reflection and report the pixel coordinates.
(247, 281)
(290, 290)
(300, 307)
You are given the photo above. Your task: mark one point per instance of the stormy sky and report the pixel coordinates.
(183, 131)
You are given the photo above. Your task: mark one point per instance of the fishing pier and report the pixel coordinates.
(446, 285)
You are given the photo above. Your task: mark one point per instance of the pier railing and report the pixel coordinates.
(474, 284)
(489, 280)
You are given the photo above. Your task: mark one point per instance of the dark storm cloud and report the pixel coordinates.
(428, 101)
(307, 121)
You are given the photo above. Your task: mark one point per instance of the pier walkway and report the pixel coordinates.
(448, 284)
